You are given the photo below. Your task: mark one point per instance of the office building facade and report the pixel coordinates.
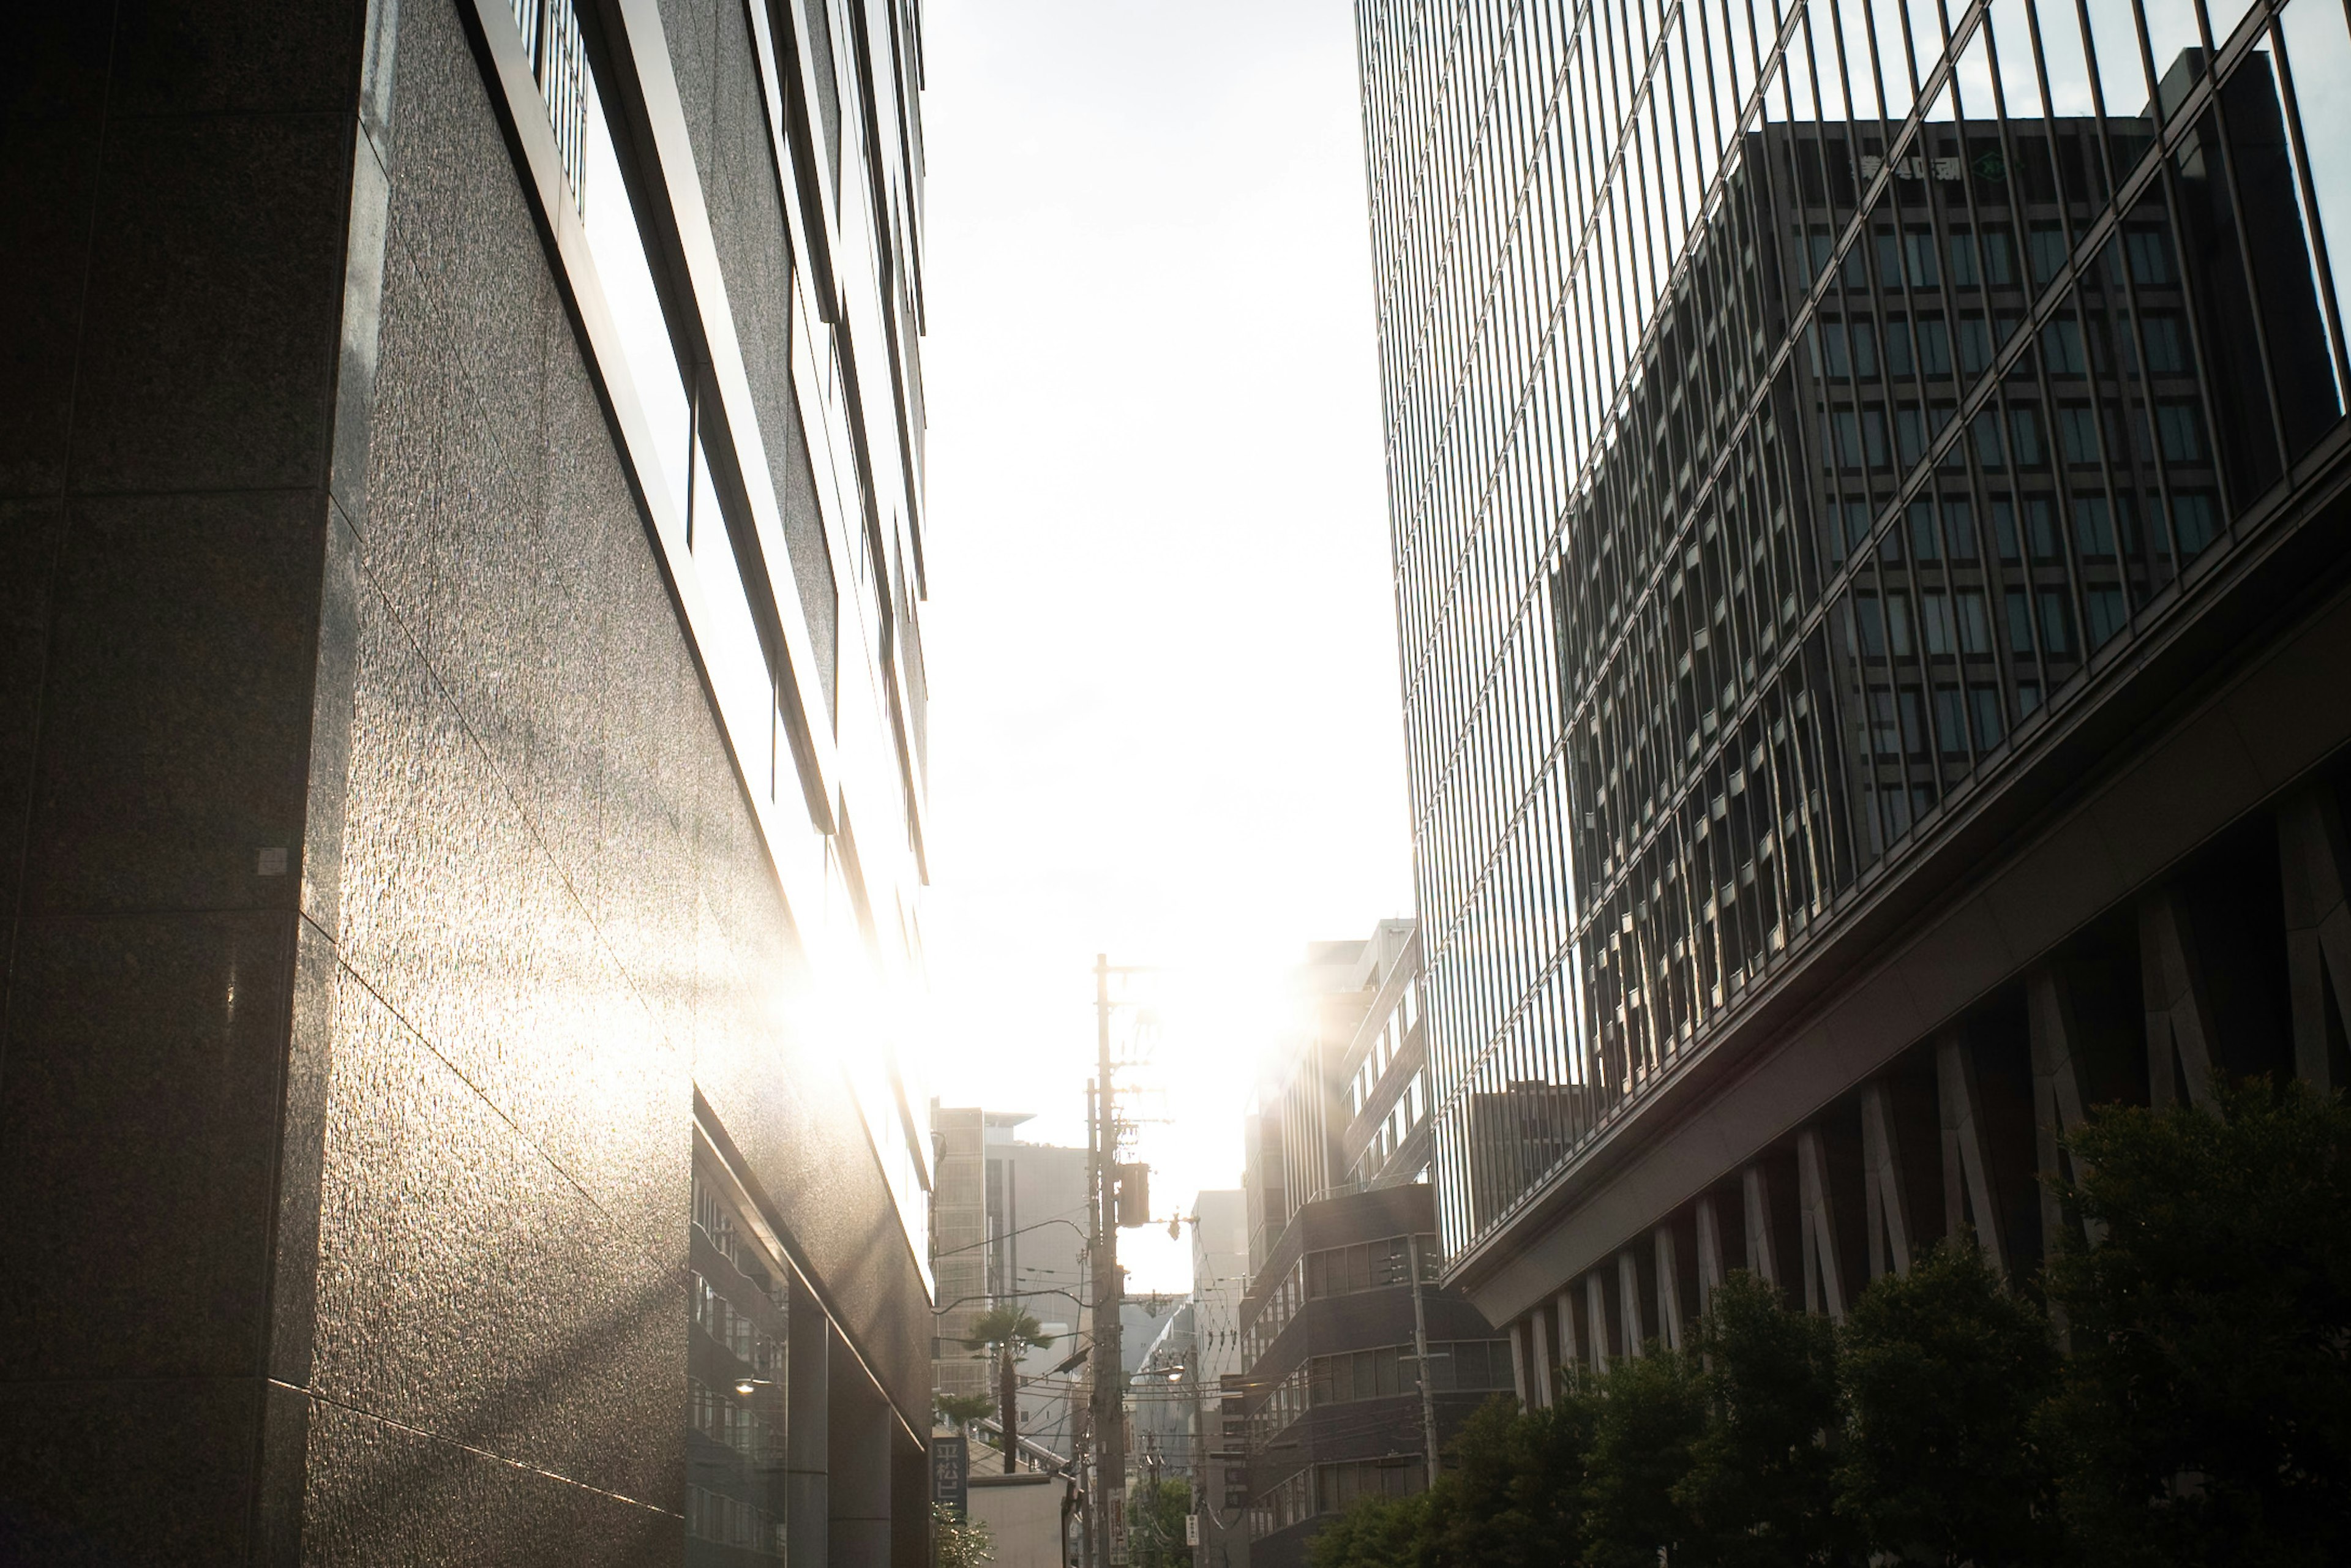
(1343, 1318)
(1011, 1228)
(1866, 485)
(463, 473)
(1341, 1335)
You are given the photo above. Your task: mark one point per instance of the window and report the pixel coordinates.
(1975, 344)
(1924, 546)
(2179, 429)
(1960, 527)
(1935, 618)
(2192, 518)
(2167, 343)
(2093, 533)
(737, 1335)
(2107, 614)
(1950, 721)
(1934, 347)
(2056, 623)
(1984, 704)
(2150, 256)
(1974, 624)
(2047, 248)
(1913, 722)
(2060, 347)
(2077, 434)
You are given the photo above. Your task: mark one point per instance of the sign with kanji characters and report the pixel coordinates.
(951, 1473)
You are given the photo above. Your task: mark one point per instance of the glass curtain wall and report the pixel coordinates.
(1790, 405)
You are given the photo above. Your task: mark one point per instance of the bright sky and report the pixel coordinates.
(1160, 637)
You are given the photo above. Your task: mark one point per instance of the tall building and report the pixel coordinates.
(1220, 1284)
(1337, 1329)
(1343, 1102)
(1038, 1224)
(465, 778)
(1009, 1227)
(1870, 546)
(960, 1248)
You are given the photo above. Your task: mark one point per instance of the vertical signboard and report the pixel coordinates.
(1118, 1558)
(951, 1473)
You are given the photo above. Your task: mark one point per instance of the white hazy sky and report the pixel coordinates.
(1160, 635)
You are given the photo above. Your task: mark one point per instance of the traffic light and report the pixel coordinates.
(1134, 1195)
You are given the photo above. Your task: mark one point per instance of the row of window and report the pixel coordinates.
(729, 1521)
(1632, 799)
(730, 1417)
(1336, 1271)
(1382, 1372)
(1320, 1490)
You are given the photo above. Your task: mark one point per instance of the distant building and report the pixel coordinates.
(1329, 1409)
(1219, 1286)
(959, 1251)
(1344, 1103)
(1009, 1226)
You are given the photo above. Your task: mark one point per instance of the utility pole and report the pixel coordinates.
(1089, 1422)
(1420, 1355)
(1110, 1414)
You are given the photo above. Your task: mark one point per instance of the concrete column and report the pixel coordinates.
(1823, 1275)
(858, 1482)
(1520, 1383)
(1538, 1362)
(2178, 1011)
(1562, 1310)
(1967, 1171)
(2056, 1094)
(1669, 1287)
(1755, 1187)
(808, 1421)
(2313, 860)
(1890, 1212)
(1596, 1315)
(1628, 1304)
(1710, 1268)
(910, 1501)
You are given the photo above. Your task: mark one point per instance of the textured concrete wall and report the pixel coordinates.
(558, 917)
(381, 890)
(176, 184)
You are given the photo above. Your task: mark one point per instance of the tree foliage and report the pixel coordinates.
(1155, 1510)
(2203, 1413)
(1759, 1487)
(1943, 1372)
(2206, 1412)
(958, 1542)
(959, 1410)
(1648, 1415)
(1006, 1330)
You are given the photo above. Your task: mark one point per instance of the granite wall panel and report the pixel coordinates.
(458, 918)
(381, 1493)
(215, 289)
(557, 911)
(30, 531)
(469, 1289)
(131, 1470)
(176, 703)
(138, 1102)
(48, 188)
